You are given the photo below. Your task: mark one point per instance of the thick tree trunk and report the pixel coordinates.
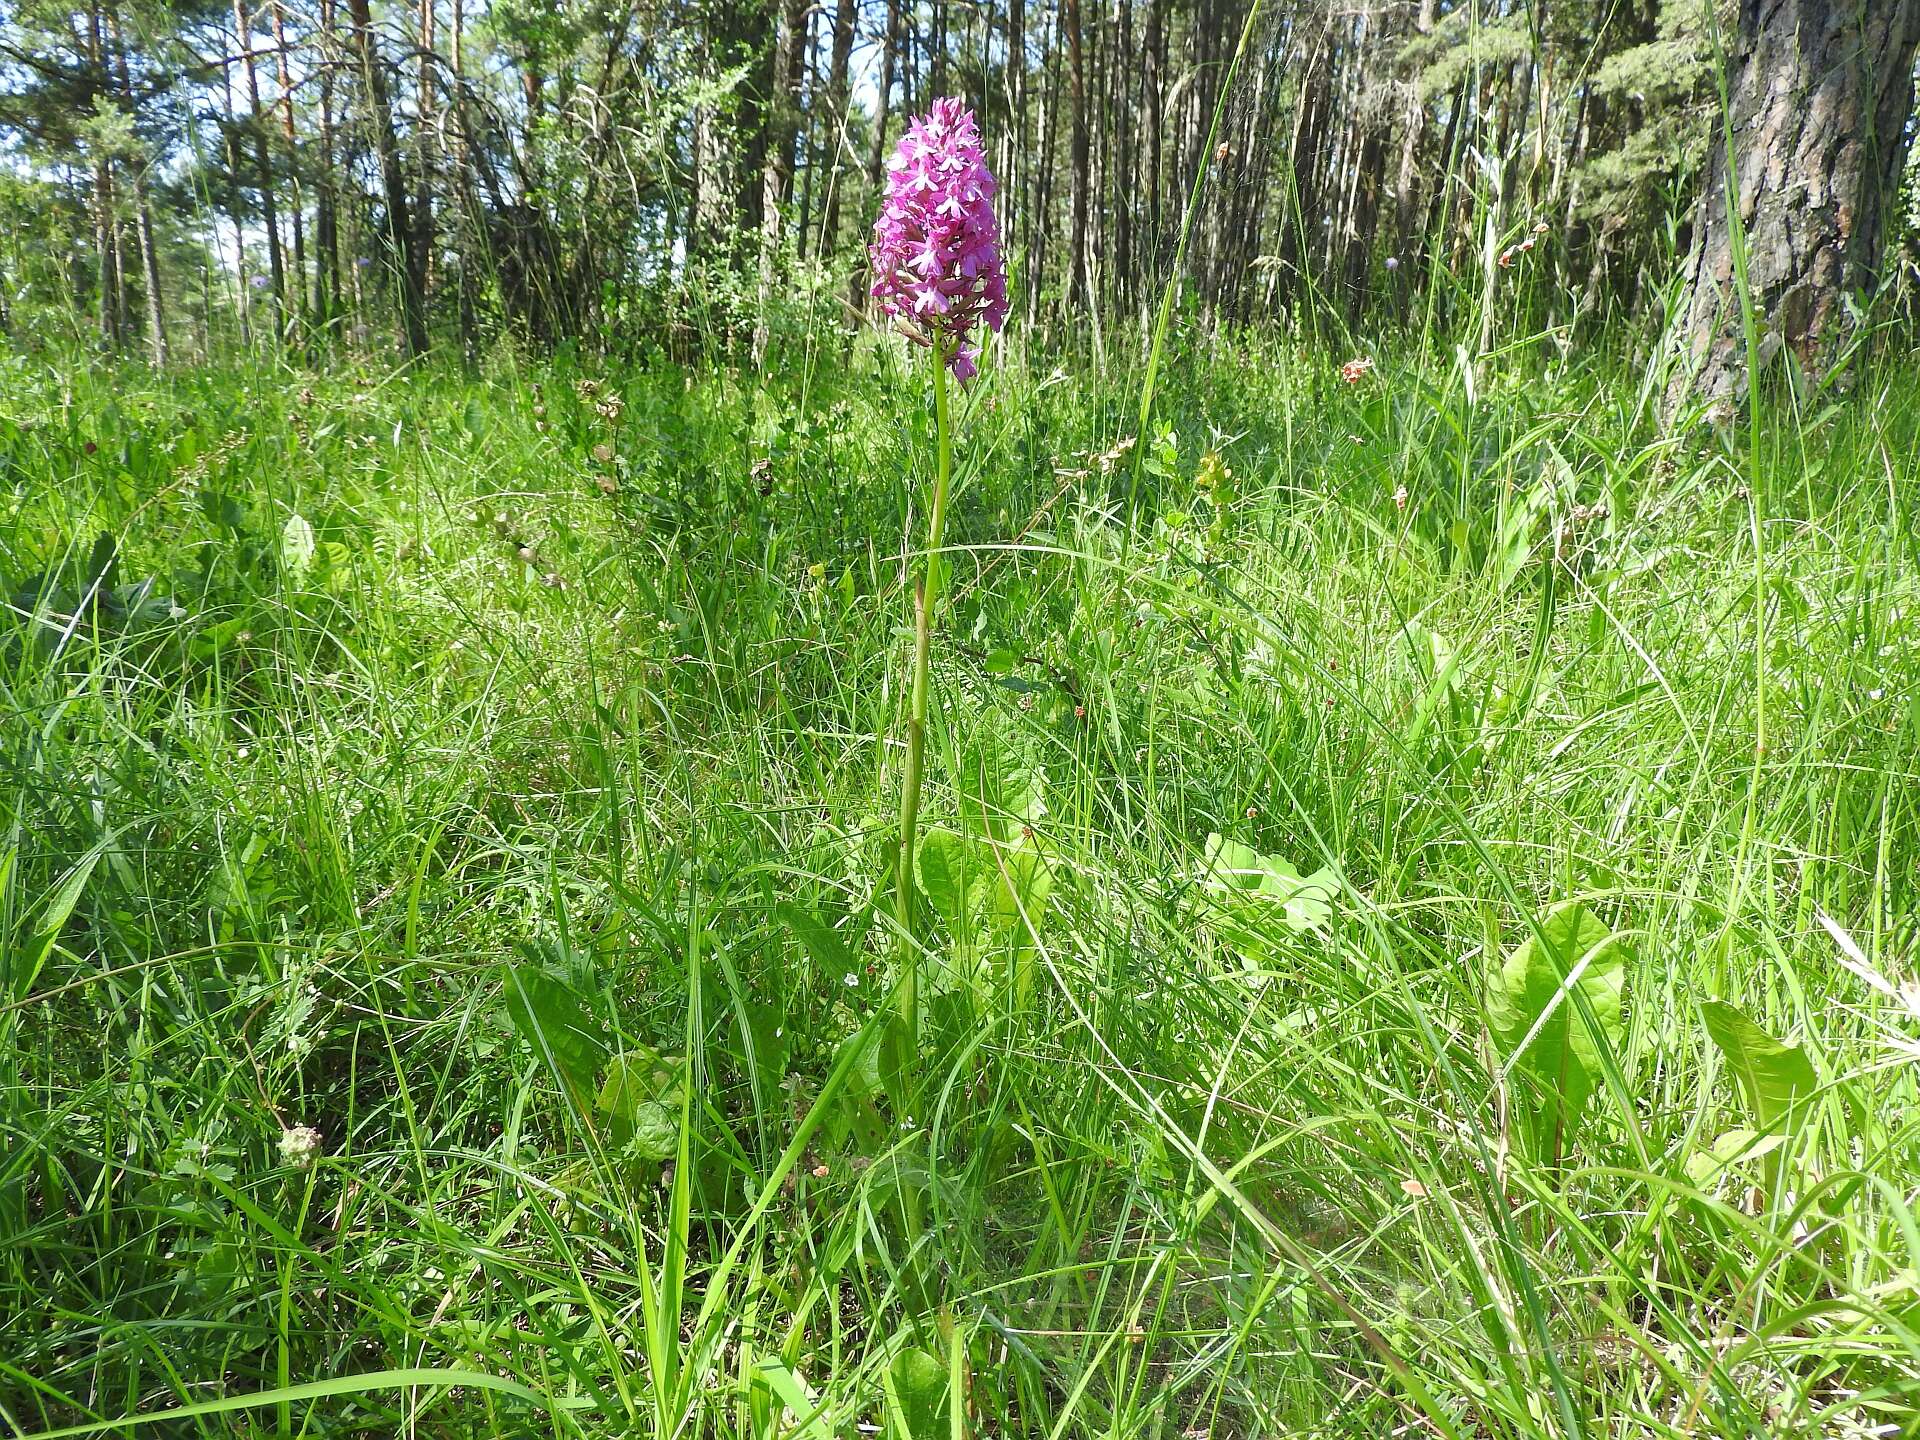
(877, 150)
(287, 131)
(1082, 180)
(783, 117)
(399, 227)
(262, 164)
(424, 152)
(236, 208)
(835, 127)
(782, 131)
(142, 210)
(105, 241)
(326, 224)
(465, 234)
(1820, 93)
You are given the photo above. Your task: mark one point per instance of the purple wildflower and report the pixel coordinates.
(260, 282)
(936, 245)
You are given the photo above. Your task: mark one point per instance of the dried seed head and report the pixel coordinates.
(299, 1146)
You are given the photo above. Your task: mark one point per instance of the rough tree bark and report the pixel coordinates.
(277, 12)
(105, 241)
(1077, 94)
(142, 210)
(1820, 92)
(399, 225)
(836, 121)
(262, 163)
(325, 217)
(425, 129)
(877, 140)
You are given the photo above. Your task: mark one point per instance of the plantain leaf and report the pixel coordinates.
(551, 1017)
(1537, 1025)
(297, 546)
(949, 875)
(916, 1395)
(830, 953)
(1260, 896)
(54, 914)
(1773, 1076)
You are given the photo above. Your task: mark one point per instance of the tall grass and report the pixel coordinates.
(477, 736)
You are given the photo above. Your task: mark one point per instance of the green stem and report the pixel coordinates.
(926, 597)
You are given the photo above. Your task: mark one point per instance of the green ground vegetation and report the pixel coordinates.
(1418, 927)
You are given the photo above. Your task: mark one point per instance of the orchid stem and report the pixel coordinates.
(926, 598)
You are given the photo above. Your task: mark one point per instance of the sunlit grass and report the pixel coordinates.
(446, 679)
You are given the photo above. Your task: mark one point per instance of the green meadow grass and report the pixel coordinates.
(498, 773)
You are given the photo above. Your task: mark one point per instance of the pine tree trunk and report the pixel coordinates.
(1078, 163)
(781, 131)
(142, 210)
(1820, 93)
(283, 68)
(877, 151)
(236, 209)
(262, 164)
(326, 223)
(782, 117)
(105, 239)
(423, 147)
(467, 233)
(399, 227)
(840, 97)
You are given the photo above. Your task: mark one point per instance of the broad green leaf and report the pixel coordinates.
(857, 1123)
(1000, 795)
(1773, 1076)
(635, 1077)
(1017, 897)
(916, 1395)
(101, 560)
(1732, 1148)
(1537, 1026)
(53, 917)
(297, 546)
(949, 876)
(551, 1017)
(809, 1415)
(1233, 865)
(1262, 887)
(822, 942)
(656, 1131)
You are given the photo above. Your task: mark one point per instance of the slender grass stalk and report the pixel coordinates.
(926, 598)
